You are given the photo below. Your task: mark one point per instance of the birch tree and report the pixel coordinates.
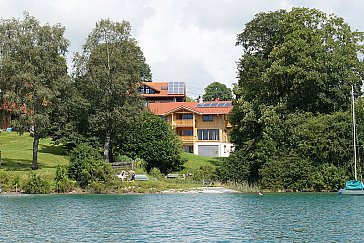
(107, 74)
(32, 61)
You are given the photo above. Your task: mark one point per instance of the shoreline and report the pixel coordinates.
(195, 190)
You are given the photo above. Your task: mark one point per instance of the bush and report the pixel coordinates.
(15, 183)
(36, 185)
(290, 173)
(327, 177)
(205, 172)
(96, 187)
(156, 173)
(86, 165)
(62, 183)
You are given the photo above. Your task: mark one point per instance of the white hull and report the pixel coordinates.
(351, 192)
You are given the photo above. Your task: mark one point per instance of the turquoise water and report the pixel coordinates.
(182, 218)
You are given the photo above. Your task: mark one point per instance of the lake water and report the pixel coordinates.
(285, 217)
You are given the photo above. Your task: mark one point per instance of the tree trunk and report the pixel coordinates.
(35, 152)
(107, 147)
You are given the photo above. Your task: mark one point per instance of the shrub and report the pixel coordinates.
(205, 172)
(327, 177)
(15, 183)
(96, 187)
(36, 185)
(62, 183)
(86, 165)
(156, 173)
(81, 154)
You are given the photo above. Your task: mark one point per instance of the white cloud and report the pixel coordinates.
(183, 40)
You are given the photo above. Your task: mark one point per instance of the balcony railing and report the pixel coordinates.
(183, 123)
(186, 138)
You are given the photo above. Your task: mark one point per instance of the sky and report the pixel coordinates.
(191, 41)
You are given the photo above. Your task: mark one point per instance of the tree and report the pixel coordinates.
(154, 141)
(288, 55)
(33, 61)
(107, 74)
(218, 91)
(293, 97)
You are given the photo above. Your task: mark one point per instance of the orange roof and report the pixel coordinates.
(167, 108)
(157, 86)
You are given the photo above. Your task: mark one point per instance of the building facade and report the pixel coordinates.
(202, 127)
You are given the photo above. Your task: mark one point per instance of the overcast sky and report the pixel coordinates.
(190, 41)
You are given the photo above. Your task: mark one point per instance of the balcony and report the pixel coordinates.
(186, 138)
(183, 123)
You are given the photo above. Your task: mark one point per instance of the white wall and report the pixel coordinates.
(224, 148)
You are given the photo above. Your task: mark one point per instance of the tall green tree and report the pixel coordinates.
(293, 99)
(302, 60)
(32, 62)
(217, 90)
(153, 140)
(107, 74)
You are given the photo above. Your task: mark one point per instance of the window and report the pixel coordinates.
(186, 116)
(185, 132)
(208, 134)
(146, 90)
(206, 118)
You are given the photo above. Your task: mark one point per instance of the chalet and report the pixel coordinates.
(161, 92)
(202, 127)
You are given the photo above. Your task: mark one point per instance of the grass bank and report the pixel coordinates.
(16, 154)
(16, 161)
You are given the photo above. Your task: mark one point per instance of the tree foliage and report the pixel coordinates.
(291, 121)
(154, 141)
(32, 58)
(107, 74)
(218, 91)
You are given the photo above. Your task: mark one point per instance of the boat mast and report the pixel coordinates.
(354, 128)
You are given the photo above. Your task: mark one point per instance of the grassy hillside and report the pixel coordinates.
(16, 154)
(16, 161)
(194, 162)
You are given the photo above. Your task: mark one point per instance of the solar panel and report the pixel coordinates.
(213, 104)
(176, 88)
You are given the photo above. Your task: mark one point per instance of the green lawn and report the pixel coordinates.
(16, 161)
(16, 154)
(194, 162)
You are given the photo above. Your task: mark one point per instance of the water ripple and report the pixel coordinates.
(182, 217)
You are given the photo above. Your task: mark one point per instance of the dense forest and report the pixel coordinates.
(291, 119)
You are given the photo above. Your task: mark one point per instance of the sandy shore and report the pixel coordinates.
(212, 190)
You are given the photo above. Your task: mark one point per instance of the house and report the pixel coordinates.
(202, 127)
(160, 92)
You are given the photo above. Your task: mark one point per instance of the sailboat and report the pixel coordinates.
(353, 187)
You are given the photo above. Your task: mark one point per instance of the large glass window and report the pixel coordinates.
(208, 134)
(208, 118)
